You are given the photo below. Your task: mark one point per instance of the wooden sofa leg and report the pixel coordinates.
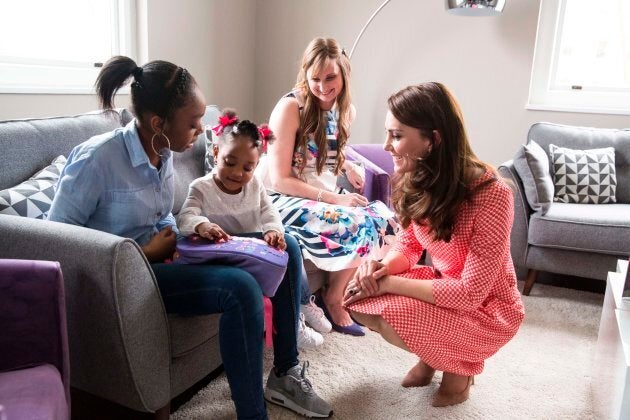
(529, 281)
(163, 413)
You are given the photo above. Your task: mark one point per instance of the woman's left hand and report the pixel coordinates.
(354, 292)
(355, 177)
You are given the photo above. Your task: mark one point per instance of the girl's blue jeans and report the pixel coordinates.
(208, 289)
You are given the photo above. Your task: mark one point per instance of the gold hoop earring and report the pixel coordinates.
(153, 139)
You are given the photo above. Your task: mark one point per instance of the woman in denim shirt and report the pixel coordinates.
(121, 182)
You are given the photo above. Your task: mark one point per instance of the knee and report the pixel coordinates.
(292, 244)
(373, 322)
(245, 291)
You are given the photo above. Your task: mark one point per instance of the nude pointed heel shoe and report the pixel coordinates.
(419, 375)
(446, 396)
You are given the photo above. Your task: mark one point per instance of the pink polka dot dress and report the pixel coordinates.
(478, 307)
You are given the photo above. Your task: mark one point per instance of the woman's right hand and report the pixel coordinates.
(351, 200)
(161, 246)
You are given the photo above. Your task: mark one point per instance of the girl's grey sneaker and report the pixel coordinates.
(296, 393)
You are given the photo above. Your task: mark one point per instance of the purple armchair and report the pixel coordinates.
(34, 362)
(378, 166)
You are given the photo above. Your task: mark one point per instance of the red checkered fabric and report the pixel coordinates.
(477, 307)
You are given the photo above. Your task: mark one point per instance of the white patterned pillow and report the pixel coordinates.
(208, 163)
(584, 176)
(32, 198)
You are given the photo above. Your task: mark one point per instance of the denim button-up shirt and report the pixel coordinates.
(109, 184)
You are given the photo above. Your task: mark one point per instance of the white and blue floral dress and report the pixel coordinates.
(333, 237)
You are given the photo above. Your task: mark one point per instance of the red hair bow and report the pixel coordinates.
(224, 121)
(265, 133)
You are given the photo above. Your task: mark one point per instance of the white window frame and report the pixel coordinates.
(35, 76)
(542, 96)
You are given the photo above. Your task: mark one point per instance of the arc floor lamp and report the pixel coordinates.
(456, 7)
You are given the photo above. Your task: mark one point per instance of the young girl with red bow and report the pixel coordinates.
(232, 201)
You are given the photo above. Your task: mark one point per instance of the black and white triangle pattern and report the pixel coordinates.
(584, 176)
(32, 198)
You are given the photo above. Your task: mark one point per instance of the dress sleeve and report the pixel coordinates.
(407, 244)
(486, 257)
(78, 191)
(192, 213)
(269, 216)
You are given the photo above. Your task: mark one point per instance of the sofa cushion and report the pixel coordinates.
(583, 138)
(33, 393)
(29, 145)
(584, 176)
(190, 332)
(190, 164)
(583, 227)
(32, 198)
(532, 165)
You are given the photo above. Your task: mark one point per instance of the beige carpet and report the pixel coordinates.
(543, 373)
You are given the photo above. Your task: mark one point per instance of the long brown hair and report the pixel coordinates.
(432, 193)
(312, 120)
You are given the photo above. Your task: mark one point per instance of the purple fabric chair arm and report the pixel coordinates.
(378, 168)
(33, 326)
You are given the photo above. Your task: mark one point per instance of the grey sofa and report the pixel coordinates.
(583, 240)
(123, 345)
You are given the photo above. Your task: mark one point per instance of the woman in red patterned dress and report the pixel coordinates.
(460, 311)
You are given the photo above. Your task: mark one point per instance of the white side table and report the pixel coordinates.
(611, 369)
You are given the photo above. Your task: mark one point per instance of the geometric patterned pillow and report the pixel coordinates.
(208, 164)
(32, 198)
(584, 176)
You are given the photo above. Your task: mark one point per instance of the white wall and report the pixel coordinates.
(245, 54)
(486, 62)
(212, 39)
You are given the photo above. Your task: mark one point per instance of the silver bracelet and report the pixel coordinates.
(320, 194)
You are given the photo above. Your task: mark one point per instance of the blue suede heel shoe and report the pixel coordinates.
(352, 329)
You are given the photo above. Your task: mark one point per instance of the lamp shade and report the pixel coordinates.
(475, 7)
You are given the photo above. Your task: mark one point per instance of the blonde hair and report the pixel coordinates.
(312, 120)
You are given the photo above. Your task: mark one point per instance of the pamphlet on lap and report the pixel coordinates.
(265, 263)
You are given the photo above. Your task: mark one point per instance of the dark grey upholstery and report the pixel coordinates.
(582, 240)
(123, 345)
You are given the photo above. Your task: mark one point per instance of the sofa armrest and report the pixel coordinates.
(522, 211)
(117, 325)
(33, 317)
(377, 180)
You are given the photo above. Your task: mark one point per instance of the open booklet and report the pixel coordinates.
(265, 263)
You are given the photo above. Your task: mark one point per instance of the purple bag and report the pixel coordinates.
(266, 263)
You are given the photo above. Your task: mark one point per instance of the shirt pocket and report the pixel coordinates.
(133, 207)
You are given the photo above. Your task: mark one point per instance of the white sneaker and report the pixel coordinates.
(307, 337)
(314, 316)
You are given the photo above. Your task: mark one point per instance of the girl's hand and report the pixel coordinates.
(161, 246)
(212, 231)
(355, 176)
(351, 200)
(275, 239)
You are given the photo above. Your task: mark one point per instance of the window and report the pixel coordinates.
(582, 57)
(59, 46)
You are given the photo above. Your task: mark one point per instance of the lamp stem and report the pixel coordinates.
(356, 41)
